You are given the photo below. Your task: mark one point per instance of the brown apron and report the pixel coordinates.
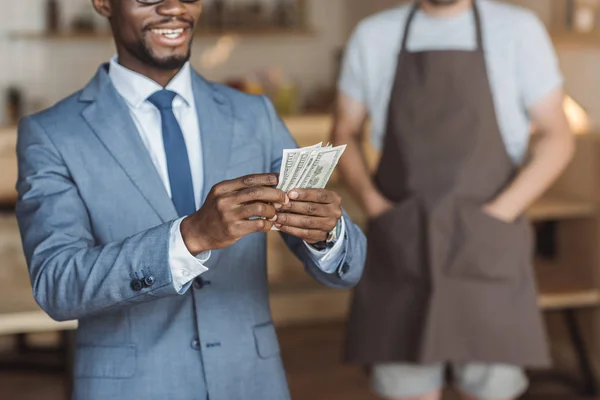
(444, 281)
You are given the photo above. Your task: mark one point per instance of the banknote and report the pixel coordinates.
(308, 167)
(293, 164)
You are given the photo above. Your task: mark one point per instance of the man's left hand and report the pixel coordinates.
(310, 214)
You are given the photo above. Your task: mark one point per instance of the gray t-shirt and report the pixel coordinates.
(521, 62)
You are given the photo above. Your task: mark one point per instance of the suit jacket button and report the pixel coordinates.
(137, 285)
(198, 283)
(196, 344)
(345, 268)
(149, 281)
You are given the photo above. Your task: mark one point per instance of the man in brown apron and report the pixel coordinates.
(449, 279)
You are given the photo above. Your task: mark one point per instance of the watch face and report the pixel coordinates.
(331, 236)
(320, 246)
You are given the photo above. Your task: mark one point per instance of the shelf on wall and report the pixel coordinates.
(563, 25)
(551, 208)
(68, 35)
(570, 39)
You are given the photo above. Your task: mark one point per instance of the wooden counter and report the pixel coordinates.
(556, 208)
(8, 165)
(295, 297)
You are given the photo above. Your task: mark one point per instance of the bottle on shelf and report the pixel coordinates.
(254, 15)
(584, 16)
(14, 105)
(218, 14)
(286, 13)
(52, 16)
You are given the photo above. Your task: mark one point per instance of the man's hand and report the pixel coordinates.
(349, 128)
(495, 211)
(310, 214)
(377, 205)
(225, 216)
(551, 151)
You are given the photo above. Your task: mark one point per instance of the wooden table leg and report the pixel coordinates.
(68, 345)
(590, 386)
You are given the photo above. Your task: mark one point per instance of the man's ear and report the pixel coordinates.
(103, 7)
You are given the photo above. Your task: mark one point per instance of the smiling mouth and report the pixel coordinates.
(170, 33)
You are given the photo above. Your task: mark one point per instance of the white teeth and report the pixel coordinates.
(169, 33)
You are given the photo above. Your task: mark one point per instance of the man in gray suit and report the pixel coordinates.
(135, 220)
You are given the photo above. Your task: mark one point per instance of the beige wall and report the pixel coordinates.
(358, 9)
(580, 64)
(53, 70)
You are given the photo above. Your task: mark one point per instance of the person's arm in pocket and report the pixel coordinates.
(348, 129)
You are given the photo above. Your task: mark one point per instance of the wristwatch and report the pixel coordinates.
(329, 241)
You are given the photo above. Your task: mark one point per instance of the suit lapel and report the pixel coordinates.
(216, 121)
(110, 120)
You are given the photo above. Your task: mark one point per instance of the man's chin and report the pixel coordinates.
(160, 58)
(170, 63)
(442, 2)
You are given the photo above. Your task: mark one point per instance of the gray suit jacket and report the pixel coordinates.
(95, 217)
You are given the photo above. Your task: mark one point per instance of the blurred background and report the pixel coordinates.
(291, 50)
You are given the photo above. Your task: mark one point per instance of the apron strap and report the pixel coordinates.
(415, 8)
(478, 31)
(409, 20)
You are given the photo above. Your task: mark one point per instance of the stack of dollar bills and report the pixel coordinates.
(308, 167)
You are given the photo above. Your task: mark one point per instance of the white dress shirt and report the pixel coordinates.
(135, 89)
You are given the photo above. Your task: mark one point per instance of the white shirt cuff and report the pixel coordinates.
(183, 265)
(328, 260)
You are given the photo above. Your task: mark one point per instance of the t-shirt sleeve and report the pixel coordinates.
(352, 80)
(538, 70)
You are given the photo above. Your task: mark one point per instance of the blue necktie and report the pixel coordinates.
(178, 164)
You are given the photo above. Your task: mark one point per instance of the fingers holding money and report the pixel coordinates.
(251, 203)
(322, 224)
(310, 215)
(330, 210)
(259, 193)
(232, 210)
(310, 236)
(315, 202)
(254, 202)
(319, 196)
(306, 208)
(239, 229)
(244, 182)
(255, 210)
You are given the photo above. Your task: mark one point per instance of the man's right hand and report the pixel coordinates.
(224, 216)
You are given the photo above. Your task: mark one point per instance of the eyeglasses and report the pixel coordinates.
(154, 2)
